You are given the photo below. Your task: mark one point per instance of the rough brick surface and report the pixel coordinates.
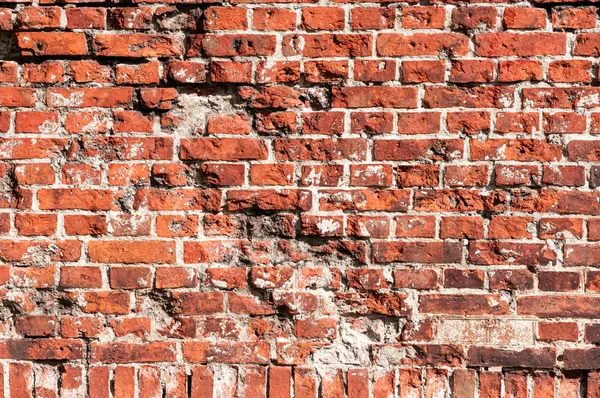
(299, 198)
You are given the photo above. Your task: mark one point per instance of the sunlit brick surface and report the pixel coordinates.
(277, 199)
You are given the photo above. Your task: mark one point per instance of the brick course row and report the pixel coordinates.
(280, 382)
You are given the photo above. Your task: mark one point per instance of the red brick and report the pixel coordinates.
(464, 304)
(6, 22)
(463, 279)
(278, 71)
(294, 149)
(414, 149)
(80, 174)
(36, 325)
(34, 18)
(87, 122)
(558, 281)
(358, 383)
(429, 252)
(52, 43)
(551, 331)
(418, 17)
(224, 278)
(137, 327)
(372, 18)
(274, 19)
(586, 44)
(421, 44)
(328, 45)
(45, 349)
(464, 383)
(477, 97)
(466, 176)
(198, 303)
(149, 381)
(125, 174)
(172, 226)
(524, 150)
(85, 97)
(521, 253)
(229, 124)
(520, 44)
(231, 72)
(36, 122)
(574, 18)
(220, 174)
(137, 74)
(158, 98)
(275, 123)
(45, 72)
(365, 200)
(375, 71)
(175, 277)
(514, 227)
(371, 122)
(14, 96)
(517, 122)
(187, 72)
(131, 18)
(323, 123)
(90, 71)
(21, 379)
(130, 278)
(538, 358)
(325, 71)
(223, 149)
(490, 384)
(136, 45)
(323, 18)
(419, 123)
(28, 224)
(472, 71)
(80, 277)
(560, 97)
(129, 252)
(123, 352)
(272, 174)
(470, 123)
(86, 18)
(415, 227)
(572, 71)
(278, 97)
(474, 17)
(418, 176)
(177, 199)
(225, 18)
(32, 277)
(371, 175)
(520, 70)
(202, 352)
(226, 45)
(524, 18)
(74, 327)
(423, 71)
(325, 175)
(8, 72)
(461, 227)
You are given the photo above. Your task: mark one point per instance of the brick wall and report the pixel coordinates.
(288, 198)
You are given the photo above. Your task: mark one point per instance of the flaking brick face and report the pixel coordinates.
(299, 199)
